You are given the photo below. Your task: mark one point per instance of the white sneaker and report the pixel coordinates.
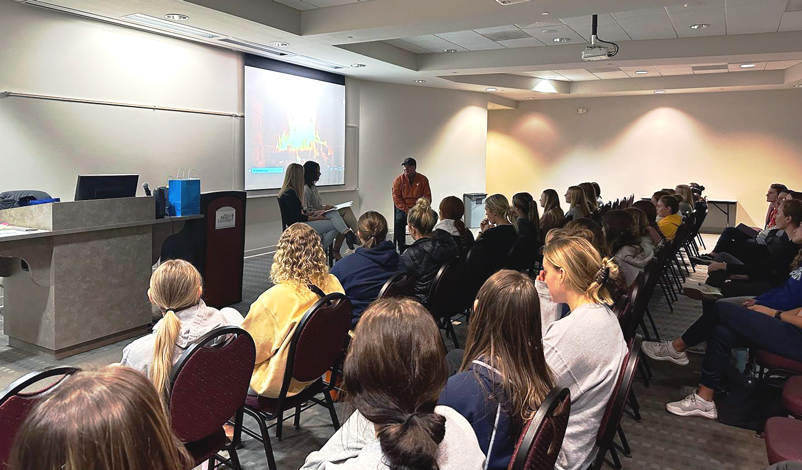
(664, 351)
(702, 291)
(693, 405)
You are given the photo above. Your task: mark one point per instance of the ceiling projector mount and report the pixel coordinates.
(597, 50)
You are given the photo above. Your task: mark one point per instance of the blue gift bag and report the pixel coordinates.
(184, 196)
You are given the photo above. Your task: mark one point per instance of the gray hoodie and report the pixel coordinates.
(632, 260)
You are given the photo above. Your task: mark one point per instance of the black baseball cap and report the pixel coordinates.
(409, 161)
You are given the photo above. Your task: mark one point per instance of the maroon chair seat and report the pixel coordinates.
(207, 447)
(783, 438)
(270, 405)
(776, 365)
(542, 438)
(792, 395)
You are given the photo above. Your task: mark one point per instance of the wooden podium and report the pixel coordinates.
(76, 274)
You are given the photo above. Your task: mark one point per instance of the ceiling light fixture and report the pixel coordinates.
(419, 81)
(798, 85)
(349, 37)
(280, 44)
(641, 72)
(697, 4)
(530, 98)
(659, 92)
(357, 66)
(550, 31)
(176, 17)
(159, 23)
(560, 40)
(491, 89)
(747, 66)
(449, 50)
(700, 26)
(545, 13)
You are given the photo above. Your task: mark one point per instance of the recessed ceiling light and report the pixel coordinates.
(700, 26)
(747, 66)
(530, 98)
(641, 72)
(176, 17)
(491, 89)
(420, 81)
(697, 4)
(545, 13)
(550, 31)
(357, 66)
(159, 23)
(349, 37)
(449, 50)
(659, 92)
(280, 44)
(798, 85)
(561, 39)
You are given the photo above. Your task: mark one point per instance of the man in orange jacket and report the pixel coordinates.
(407, 189)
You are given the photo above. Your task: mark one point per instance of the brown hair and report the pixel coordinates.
(452, 208)
(506, 332)
(590, 196)
(422, 217)
(98, 420)
(649, 210)
(174, 286)
(372, 228)
(657, 195)
(620, 231)
(300, 259)
(587, 273)
(527, 204)
(552, 201)
(394, 374)
(670, 202)
(641, 223)
(579, 202)
(497, 204)
(589, 230)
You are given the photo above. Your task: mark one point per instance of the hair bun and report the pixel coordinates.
(423, 204)
(603, 275)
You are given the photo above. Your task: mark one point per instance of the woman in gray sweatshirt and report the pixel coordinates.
(394, 374)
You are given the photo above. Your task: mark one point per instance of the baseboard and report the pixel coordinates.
(260, 251)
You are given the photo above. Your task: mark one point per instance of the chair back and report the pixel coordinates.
(209, 383)
(445, 288)
(540, 443)
(283, 210)
(477, 270)
(15, 405)
(615, 406)
(627, 318)
(399, 285)
(522, 255)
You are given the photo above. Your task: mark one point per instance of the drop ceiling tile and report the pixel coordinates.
(651, 71)
(667, 70)
(407, 46)
(297, 4)
(577, 75)
(497, 29)
(608, 29)
(470, 40)
(791, 21)
(548, 34)
(433, 43)
(611, 75)
(654, 25)
(756, 24)
(526, 42)
(547, 75)
(682, 20)
(637, 13)
(696, 6)
(782, 64)
(748, 18)
(329, 3)
(508, 35)
(737, 67)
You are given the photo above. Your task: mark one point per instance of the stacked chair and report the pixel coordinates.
(783, 436)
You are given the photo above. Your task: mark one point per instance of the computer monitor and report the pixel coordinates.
(105, 186)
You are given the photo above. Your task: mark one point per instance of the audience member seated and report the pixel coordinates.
(528, 220)
(629, 250)
(503, 376)
(793, 195)
(657, 195)
(290, 197)
(111, 418)
(651, 217)
(597, 188)
(175, 289)
(585, 349)
(669, 221)
(394, 374)
(553, 216)
(430, 250)
(497, 230)
(578, 206)
(339, 218)
(590, 231)
(752, 269)
(640, 225)
(451, 211)
(686, 195)
(363, 273)
(771, 321)
(300, 278)
(590, 196)
(771, 197)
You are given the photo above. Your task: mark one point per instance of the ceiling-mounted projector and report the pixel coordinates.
(596, 50)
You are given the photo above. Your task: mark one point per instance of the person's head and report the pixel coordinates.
(311, 173)
(525, 206)
(576, 197)
(421, 219)
(789, 213)
(572, 264)
(498, 210)
(795, 195)
(590, 195)
(596, 188)
(797, 237)
(394, 374)
(371, 229)
(410, 166)
(648, 208)
(685, 192)
(589, 230)
(174, 286)
(452, 208)
(505, 329)
(99, 420)
(678, 197)
(667, 205)
(669, 191)
(657, 195)
(639, 220)
(774, 191)
(549, 199)
(619, 231)
(299, 260)
(780, 198)
(293, 179)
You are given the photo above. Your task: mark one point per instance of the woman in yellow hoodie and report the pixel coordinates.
(300, 279)
(667, 208)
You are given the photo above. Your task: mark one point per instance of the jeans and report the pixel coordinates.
(326, 230)
(734, 288)
(337, 221)
(400, 230)
(729, 236)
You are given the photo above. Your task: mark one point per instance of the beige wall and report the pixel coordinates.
(735, 144)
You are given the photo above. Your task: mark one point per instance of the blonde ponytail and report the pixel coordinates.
(422, 217)
(497, 204)
(602, 288)
(586, 272)
(163, 351)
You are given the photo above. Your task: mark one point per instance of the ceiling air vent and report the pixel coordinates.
(507, 35)
(257, 47)
(709, 68)
(541, 24)
(511, 2)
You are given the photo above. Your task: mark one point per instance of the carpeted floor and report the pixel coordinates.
(660, 441)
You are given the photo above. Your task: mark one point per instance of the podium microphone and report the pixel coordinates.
(146, 188)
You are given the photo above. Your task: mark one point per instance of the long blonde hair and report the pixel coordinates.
(586, 271)
(300, 259)
(578, 202)
(174, 286)
(422, 217)
(685, 191)
(293, 179)
(500, 206)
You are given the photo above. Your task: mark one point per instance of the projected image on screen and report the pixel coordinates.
(292, 119)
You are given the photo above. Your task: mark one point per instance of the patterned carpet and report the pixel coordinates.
(660, 441)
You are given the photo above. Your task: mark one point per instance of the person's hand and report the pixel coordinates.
(716, 266)
(749, 303)
(484, 225)
(328, 207)
(316, 217)
(763, 309)
(318, 213)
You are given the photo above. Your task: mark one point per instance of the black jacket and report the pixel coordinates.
(292, 210)
(423, 259)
